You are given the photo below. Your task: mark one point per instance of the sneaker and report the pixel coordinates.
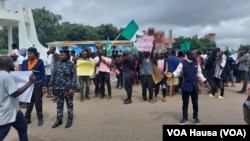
(151, 101)
(81, 99)
(155, 99)
(241, 92)
(87, 97)
(164, 99)
(220, 97)
(183, 122)
(197, 121)
(211, 95)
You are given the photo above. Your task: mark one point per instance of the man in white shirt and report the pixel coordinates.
(190, 70)
(48, 65)
(10, 114)
(21, 57)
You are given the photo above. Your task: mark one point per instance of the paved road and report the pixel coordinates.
(111, 120)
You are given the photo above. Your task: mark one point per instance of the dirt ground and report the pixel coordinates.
(111, 120)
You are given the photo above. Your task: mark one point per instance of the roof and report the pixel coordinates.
(98, 43)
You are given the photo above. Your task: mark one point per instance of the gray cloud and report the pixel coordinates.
(229, 19)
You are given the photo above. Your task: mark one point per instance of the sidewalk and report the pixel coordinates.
(111, 120)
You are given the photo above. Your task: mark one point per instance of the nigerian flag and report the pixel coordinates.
(185, 46)
(130, 30)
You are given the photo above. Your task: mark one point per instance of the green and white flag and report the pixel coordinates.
(108, 47)
(130, 30)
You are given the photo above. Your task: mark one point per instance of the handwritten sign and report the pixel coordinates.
(144, 44)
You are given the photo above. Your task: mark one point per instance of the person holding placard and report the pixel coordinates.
(10, 114)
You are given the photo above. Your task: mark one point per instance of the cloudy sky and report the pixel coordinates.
(229, 19)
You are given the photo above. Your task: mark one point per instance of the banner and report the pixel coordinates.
(130, 30)
(156, 75)
(21, 78)
(144, 44)
(85, 67)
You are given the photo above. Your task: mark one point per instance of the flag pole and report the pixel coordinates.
(115, 40)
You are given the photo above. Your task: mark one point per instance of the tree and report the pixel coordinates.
(196, 44)
(46, 24)
(107, 30)
(244, 47)
(4, 37)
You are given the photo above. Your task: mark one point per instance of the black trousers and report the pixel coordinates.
(147, 83)
(97, 84)
(119, 79)
(104, 78)
(185, 102)
(129, 86)
(36, 99)
(163, 84)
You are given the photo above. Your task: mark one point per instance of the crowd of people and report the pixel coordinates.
(170, 72)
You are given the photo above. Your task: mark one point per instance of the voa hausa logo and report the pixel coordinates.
(176, 132)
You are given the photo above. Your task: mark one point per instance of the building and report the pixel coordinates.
(210, 36)
(119, 45)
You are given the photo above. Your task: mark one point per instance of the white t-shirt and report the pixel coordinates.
(96, 59)
(47, 65)
(8, 104)
(20, 59)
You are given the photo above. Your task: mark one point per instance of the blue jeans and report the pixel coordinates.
(20, 125)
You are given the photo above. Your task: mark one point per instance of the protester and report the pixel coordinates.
(84, 79)
(161, 68)
(146, 62)
(128, 63)
(20, 59)
(47, 65)
(36, 65)
(55, 59)
(219, 74)
(63, 83)
(105, 64)
(190, 69)
(96, 78)
(173, 62)
(10, 114)
(243, 62)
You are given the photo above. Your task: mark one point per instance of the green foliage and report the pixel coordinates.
(4, 37)
(107, 30)
(244, 47)
(4, 51)
(46, 24)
